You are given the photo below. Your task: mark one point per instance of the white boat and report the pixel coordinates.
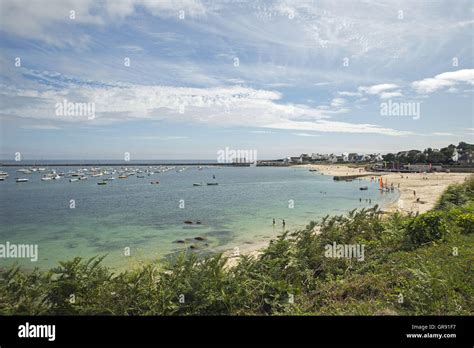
(56, 177)
(83, 178)
(73, 180)
(198, 184)
(24, 171)
(21, 180)
(46, 178)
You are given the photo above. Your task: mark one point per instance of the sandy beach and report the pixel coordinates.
(418, 191)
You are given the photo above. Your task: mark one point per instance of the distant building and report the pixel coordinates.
(352, 157)
(467, 157)
(295, 160)
(455, 156)
(304, 157)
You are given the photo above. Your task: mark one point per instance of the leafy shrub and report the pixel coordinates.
(426, 228)
(465, 222)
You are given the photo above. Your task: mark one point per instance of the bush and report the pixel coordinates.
(465, 222)
(426, 228)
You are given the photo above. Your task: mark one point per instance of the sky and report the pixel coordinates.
(185, 79)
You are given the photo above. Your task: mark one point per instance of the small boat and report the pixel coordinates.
(198, 184)
(102, 183)
(140, 177)
(189, 222)
(313, 170)
(2, 178)
(83, 178)
(73, 180)
(109, 179)
(155, 182)
(123, 176)
(363, 188)
(21, 180)
(212, 184)
(46, 178)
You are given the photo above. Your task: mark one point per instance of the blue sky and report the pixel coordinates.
(279, 77)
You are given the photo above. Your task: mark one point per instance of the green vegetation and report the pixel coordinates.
(413, 265)
(429, 155)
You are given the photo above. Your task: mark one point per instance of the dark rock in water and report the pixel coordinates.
(179, 241)
(200, 238)
(192, 247)
(188, 222)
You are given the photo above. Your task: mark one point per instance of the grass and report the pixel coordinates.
(413, 265)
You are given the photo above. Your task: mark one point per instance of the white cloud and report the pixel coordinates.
(338, 127)
(377, 89)
(306, 135)
(387, 95)
(350, 94)
(444, 80)
(36, 19)
(219, 106)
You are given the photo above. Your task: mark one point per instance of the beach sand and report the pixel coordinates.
(428, 188)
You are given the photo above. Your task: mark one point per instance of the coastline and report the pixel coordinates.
(428, 187)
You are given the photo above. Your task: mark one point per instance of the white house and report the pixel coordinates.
(455, 156)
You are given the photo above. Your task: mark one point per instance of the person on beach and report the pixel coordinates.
(273, 221)
(414, 193)
(283, 223)
(360, 199)
(370, 201)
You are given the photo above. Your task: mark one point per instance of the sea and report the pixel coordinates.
(132, 221)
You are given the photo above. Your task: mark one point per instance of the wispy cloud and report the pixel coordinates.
(445, 80)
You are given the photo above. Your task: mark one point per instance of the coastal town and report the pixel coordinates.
(458, 158)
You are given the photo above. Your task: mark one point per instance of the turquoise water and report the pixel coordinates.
(132, 213)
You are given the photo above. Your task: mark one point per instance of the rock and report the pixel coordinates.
(200, 238)
(179, 241)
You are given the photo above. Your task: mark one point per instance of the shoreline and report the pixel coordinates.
(428, 187)
(418, 192)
